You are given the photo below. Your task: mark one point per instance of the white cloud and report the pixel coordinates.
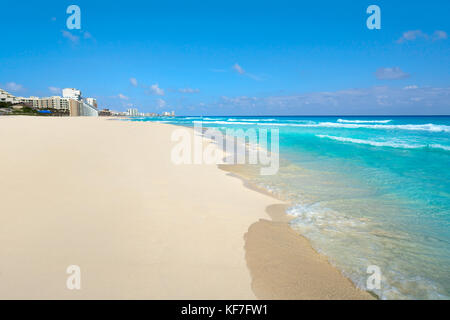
(161, 103)
(87, 35)
(55, 90)
(238, 68)
(188, 90)
(412, 87)
(122, 97)
(439, 35)
(241, 71)
(12, 86)
(134, 82)
(74, 39)
(155, 89)
(374, 100)
(393, 73)
(412, 35)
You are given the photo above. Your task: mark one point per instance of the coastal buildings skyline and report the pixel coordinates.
(134, 112)
(70, 102)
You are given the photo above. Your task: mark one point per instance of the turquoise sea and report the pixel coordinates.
(365, 191)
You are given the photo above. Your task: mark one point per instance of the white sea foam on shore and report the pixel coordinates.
(363, 121)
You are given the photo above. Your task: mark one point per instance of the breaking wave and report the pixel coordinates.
(363, 121)
(391, 144)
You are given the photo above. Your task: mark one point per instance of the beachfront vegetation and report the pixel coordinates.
(4, 104)
(7, 108)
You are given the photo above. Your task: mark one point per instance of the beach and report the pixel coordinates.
(104, 195)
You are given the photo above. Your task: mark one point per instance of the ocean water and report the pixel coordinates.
(365, 191)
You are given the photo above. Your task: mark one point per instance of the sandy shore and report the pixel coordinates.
(104, 195)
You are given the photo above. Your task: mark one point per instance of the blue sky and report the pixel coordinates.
(233, 57)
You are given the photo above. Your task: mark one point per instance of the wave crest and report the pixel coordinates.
(363, 121)
(391, 144)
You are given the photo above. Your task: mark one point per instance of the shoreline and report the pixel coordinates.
(274, 281)
(105, 195)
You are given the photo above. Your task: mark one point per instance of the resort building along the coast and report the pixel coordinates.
(70, 102)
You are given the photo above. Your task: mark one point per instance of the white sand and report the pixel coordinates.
(104, 195)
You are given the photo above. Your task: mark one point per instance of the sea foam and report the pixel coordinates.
(392, 144)
(414, 127)
(363, 121)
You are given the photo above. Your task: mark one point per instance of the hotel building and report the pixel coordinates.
(79, 106)
(169, 114)
(133, 112)
(71, 93)
(92, 102)
(71, 101)
(7, 97)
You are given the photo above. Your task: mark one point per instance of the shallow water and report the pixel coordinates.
(365, 191)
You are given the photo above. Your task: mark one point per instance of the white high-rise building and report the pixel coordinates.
(72, 93)
(133, 112)
(7, 97)
(169, 113)
(92, 102)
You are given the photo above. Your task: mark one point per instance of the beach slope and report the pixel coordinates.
(105, 196)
